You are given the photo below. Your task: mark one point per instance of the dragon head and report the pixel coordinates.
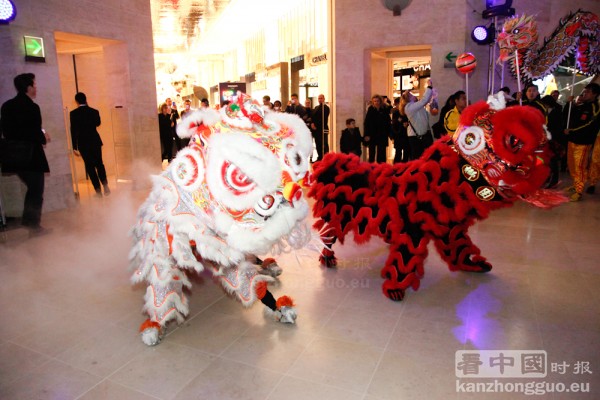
(508, 146)
(518, 33)
(244, 170)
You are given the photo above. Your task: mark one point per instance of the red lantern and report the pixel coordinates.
(466, 63)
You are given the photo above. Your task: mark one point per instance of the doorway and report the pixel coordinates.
(399, 68)
(99, 68)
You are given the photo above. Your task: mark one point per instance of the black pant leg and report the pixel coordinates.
(318, 144)
(89, 160)
(372, 147)
(34, 198)
(381, 153)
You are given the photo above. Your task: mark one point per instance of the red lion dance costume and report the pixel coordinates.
(232, 194)
(496, 156)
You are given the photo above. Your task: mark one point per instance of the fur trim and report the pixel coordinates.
(189, 125)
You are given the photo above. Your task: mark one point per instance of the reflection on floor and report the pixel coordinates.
(70, 317)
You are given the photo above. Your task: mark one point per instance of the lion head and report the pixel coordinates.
(508, 146)
(244, 170)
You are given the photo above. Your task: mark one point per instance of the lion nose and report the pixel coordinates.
(292, 192)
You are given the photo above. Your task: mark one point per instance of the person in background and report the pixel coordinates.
(452, 117)
(377, 130)
(582, 133)
(387, 104)
(21, 121)
(294, 107)
(308, 117)
(532, 99)
(320, 127)
(174, 117)
(204, 103)
(267, 102)
(351, 140)
(187, 109)
(277, 106)
(87, 142)
(555, 95)
(419, 133)
(399, 134)
(165, 128)
(558, 142)
(438, 128)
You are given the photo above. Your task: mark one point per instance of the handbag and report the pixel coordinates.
(15, 154)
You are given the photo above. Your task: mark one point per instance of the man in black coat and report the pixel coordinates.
(21, 121)
(87, 142)
(377, 130)
(320, 127)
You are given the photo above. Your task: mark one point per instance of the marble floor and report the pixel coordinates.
(70, 318)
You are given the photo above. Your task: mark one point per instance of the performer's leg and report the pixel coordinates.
(404, 266)
(578, 158)
(164, 302)
(459, 252)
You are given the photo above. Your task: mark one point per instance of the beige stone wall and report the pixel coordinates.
(443, 25)
(131, 60)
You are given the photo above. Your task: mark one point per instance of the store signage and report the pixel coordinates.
(318, 59)
(34, 49)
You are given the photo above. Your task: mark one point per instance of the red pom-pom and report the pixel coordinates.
(284, 301)
(147, 324)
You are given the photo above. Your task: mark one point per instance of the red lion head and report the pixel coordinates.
(509, 146)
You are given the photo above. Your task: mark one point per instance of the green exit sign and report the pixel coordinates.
(34, 49)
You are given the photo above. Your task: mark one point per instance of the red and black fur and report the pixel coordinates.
(407, 205)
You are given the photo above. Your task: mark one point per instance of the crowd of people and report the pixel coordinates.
(574, 129)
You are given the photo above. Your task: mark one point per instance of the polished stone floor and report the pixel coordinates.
(70, 317)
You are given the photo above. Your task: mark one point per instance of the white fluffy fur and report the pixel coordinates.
(204, 116)
(497, 101)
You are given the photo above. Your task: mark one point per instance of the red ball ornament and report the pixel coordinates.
(466, 63)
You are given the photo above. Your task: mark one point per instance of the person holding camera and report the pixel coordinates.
(419, 132)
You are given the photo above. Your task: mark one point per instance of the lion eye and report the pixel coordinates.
(516, 30)
(514, 143)
(235, 180)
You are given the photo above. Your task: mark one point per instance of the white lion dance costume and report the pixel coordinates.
(234, 193)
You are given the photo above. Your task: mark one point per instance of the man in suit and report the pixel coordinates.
(87, 142)
(320, 127)
(21, 121)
